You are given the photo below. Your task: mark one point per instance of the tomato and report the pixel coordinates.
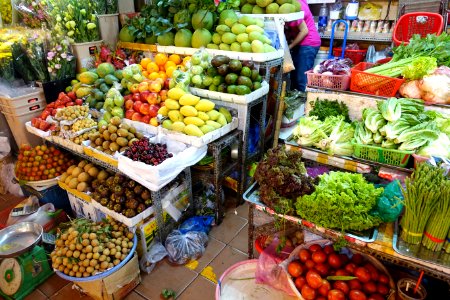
(382, 289)
(300, 282)
(375, 297)
(324, 288)
(295, 268)
(322, 269)
(384, 279)
(334, 260)
(309, 264)
(373, 271)
(370, 287)
(350, 267)
(328, 249)
(304, 255)
(315, 247)
(362, 274)
(342, 286)
(354, 284)
(336, 295)
(319, 257)
(321, 298)
(344, 259)
(357, 295)
(342, 272)
(308, 293)
(357, 258)
(313, 279)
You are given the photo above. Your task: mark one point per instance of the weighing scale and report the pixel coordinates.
(24, 265)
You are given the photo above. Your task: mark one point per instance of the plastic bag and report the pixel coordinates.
(288, 63)
(156, 253)
(369, 11)
(42, 216)
(389, 205)
(197, 223)
(185, 247)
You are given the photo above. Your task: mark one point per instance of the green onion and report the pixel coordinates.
(447, 243)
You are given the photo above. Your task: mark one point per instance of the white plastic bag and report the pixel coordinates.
(156, 253)
(41, 217)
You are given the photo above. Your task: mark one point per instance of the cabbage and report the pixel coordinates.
(439, 147)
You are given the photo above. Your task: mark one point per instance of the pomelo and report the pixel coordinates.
(125, 35)
(202, 19)
(201, 38)
(151, 40)
(166, 39)
(183, 38)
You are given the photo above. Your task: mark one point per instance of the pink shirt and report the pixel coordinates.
(312, 38)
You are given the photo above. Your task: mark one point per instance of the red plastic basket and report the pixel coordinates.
(373, 84)
(421, 23)
(333, 82)
(356, 56)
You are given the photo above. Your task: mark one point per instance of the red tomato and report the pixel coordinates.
(304, 255)
(357, 258)
(350, 267)
(334, 260)
(315, 247)
(384, 279)
(342, 272)
(336, 295)
(313, 279)
(309, 264)
(328, 249)
(319, 257)
(373, 271)
(308, 292)
(295, 268)
(370, 287)
(322, 269)
(362, 274)
(321, 298)
(375, 297)
(324, 288)
(344, 259)
(332, 272)
(342, 286)
(300, 282)
(382, 289)
(354, 284)
(357, 295)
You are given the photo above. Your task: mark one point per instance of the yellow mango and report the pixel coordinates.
(188, 111)
(167, 124)
(213, 114)
(193, 130)
(163, 111)
(222, 120)
(205, 105)
(213, 124)
(204, 116)
(194, 121)
(188, 99)
(172, 104)
(174, 115)
(178, 126)
(206, 128)
(226, 114)
(176, 93)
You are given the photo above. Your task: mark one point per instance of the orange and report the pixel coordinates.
(186, 60)
(152, 67)
(162, 75)
(169, 64)
(153, 75)
(144, 62)
(145, 73)
(175, 58)
(170, 70)
(161, 59)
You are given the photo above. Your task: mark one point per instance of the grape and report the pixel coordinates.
(146, 152)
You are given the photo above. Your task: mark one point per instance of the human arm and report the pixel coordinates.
(303, 32)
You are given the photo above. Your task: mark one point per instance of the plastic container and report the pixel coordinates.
(333, 82)
(109, 29)
(323, 17)
(386, 156)
(356, 56)
(419, 159)
(411, 284)
(53, 88)
(421, 23)
(85, 53)
(54, 194)
(29, 99)
(19, 131)
(373, 84)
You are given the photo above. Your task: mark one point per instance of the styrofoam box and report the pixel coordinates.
(18, 129)
(36, 131)
(83, 209)
(242, 99)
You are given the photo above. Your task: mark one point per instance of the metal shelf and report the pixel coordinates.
(359, 36)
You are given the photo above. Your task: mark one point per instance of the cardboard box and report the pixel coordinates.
(115, 286)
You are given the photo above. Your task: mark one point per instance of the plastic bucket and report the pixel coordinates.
(109, 29)
(239, 282)
(18, 129)
(53, 88)
(85, 53)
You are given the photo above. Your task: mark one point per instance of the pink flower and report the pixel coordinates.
(57, 66)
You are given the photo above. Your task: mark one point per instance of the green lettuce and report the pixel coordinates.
(391, 109)
(373, 119)
(439, 147)
(363, 136)
(419, 67)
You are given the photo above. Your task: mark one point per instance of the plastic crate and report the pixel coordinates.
(373, 84)
(333, 82)
(18, 129)
(356, 56)
(422, 23)
(386, 156)
(28, 99)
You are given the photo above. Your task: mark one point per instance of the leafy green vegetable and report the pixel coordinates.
(327, 108)
(377, 138)
(388, 144)
(339, 140)
(341, 201)
(391, 109)
(373, 119)
(393, 129)
(439, 147)
(427, 131)
(292, 101)
(363, 136)
(419, 68)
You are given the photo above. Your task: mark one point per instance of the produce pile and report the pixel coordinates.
(322, 273)
(270, 6)
(80, 176)
(334, 66)
(84, 248)
(282, 178)
(149, 153)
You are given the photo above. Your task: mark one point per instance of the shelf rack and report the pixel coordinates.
(359, 36)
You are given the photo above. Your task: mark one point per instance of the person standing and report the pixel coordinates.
(304, 43)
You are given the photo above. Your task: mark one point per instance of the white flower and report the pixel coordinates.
(49, 69)
(64, 55)
(57, 66)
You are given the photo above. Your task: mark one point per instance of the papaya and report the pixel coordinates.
(104, 69)
(88, 77)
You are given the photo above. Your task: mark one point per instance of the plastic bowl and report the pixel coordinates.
(403, 283)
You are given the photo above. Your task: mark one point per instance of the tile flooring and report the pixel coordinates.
(227, 245)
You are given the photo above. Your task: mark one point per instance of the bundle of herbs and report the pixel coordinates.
(323, 108)
(282, 178)
(421, 197)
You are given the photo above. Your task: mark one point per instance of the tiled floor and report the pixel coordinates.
(227, 245)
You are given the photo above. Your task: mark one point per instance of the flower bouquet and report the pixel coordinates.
(32, 13)
(6, 11)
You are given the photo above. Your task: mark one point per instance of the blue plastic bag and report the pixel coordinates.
(390, 204)
(197, 223)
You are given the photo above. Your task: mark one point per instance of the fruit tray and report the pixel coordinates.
(240, 99)
(88, 150)
(38, 132)
(440, 258)
(68, 144)
(360, 238)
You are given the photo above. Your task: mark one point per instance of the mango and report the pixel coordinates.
(163, 111)
(213, 124)
(175, 115)
(207, 128)
(188, 99)
(212, 46)
(226, 114)
(246, 47)
(228, 38)
(260, 22)
(176, 93)
(217, 38)
(224, 47)
(202, 115)
(188, 111)
(193, 130)
(213, 114)
(268, 48)
(253, 28)
(236, 47)
(178, 126)
(238, 28)
(247, 20)
(255, 36)
(222, 120)
(257, 47)
(221, 29)
(205, 105)
(172, 104)
(167, 124)
(242, 37)
(194, 121)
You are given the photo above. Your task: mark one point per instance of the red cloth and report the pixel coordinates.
(313, 37)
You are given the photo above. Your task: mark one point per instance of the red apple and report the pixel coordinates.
(136, 97)
(78, 102)
(128, 97)
(144, 109)
(129, 113)
(70, 104)
(136, 116)
(137, 106)
(163, 95)
(167, 83)
(144, 95)
(129, 104)
(145, 119)
(152, 98)
(153, 110)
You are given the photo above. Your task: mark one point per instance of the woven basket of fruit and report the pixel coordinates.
(317, 270)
